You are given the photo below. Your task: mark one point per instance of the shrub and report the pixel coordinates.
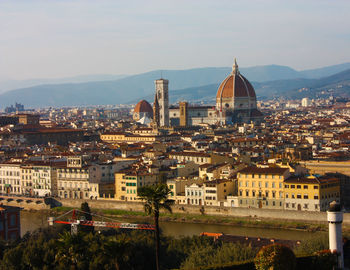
(210, 255)
(309, 247)
(325, 259)
(276, 257)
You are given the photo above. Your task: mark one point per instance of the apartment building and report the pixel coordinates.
(44, 179)
(26, 179)
(313, 193)
(73, 181)
(216, 191)
(10, 178)
(127, 183)
(262, 187)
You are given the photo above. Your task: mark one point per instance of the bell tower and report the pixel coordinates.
(163, 101)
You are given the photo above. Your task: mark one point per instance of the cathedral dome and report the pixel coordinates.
(235, 85)
(143, 107)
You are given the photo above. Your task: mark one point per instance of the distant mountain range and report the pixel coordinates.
(193, 85)
(337, 85)
(6, 85)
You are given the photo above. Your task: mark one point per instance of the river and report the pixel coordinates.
(38, 219)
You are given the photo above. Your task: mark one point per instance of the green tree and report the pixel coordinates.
(87, 214)
(275, 257)
(156, 198)
(72, 251)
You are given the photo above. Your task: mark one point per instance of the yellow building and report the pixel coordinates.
(127, 183)
(311, 193)
(216, 191)
(262, 187)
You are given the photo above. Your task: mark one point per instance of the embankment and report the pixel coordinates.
(311, 217)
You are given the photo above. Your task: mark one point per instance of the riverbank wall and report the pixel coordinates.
(317, 217)
(26, 203)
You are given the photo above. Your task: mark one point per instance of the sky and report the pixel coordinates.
(63, 38)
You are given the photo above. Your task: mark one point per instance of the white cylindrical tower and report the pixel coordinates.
(335, 220)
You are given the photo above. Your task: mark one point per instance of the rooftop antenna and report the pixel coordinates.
(161, 74)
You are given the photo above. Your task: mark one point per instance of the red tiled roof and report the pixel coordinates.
(235, 86)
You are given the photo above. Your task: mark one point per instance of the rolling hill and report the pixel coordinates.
(195, 85)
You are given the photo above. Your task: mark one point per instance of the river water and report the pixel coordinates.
(38, 219)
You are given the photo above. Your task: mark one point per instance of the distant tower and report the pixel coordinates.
(305, 102)
(163, 101)
(335, 220)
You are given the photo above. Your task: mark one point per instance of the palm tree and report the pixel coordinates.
(156, 198)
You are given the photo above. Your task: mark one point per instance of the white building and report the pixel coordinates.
(194, 194)
(10, 178)
(305, 102)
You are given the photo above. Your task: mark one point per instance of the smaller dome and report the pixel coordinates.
(143, 107)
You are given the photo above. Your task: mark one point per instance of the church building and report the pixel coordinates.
(235, 103)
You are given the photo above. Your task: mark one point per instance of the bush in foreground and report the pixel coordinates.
(275, 257)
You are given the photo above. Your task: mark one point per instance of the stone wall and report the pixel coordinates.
(25, 205)
(318, 217)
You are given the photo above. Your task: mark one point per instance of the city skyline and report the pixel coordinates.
(41, 39)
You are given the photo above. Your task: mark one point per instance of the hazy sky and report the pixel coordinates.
(40, 39)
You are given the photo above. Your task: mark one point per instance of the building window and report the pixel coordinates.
(13, 220)
(287, 205)
(315, 187)
(298, 196)
(316, 197)
(306, 196)
(266, 184)
(298, 186)
(305, 187)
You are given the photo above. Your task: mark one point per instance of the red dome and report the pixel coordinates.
(235, 85)
(143, 107)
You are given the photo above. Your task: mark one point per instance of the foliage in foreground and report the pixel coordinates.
(276, 257)
(223, 254)
(313, 245)
(56, 248)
